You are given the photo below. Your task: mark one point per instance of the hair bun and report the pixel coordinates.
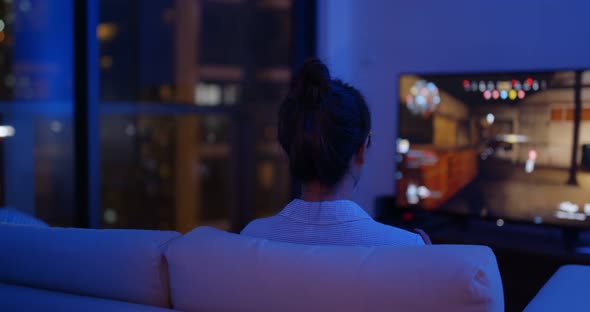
(312, 83)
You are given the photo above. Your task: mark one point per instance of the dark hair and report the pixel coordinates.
(322, 124)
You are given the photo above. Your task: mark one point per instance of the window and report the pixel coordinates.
(182, 115)
(189, 96)
(36, 109)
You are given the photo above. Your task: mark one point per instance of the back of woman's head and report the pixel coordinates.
(322, 124)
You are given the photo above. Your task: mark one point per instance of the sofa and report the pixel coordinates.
(70, 269)
(566, 290)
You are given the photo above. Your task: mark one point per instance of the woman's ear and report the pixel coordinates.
(360, 155)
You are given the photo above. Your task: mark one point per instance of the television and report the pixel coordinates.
(506, 146)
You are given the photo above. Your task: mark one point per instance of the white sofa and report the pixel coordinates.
(68, 269)
(566, 290)
(59, 269)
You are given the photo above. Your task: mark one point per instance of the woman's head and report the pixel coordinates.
(324, 126)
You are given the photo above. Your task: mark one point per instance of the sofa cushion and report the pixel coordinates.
(211, 270)
(566, 290)
(24, 299)
(125, 265)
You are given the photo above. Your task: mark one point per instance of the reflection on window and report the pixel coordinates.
(36, 71)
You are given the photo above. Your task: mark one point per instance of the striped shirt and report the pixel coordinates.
(337, 222)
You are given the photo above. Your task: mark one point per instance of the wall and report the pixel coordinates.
(368, 43)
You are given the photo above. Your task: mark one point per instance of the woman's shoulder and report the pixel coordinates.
(396, 236)
(259, 227)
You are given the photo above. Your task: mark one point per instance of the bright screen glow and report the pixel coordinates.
(497, 145)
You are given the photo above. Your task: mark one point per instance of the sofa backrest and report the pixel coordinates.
(126, 265)
(211, 270)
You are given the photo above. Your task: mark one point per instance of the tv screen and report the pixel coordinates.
(496, 145)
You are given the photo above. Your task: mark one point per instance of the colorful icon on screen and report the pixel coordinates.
(512, 94)
(495, 94)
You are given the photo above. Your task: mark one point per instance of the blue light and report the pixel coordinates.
(504, 94)
(420, 100)
(436, 100)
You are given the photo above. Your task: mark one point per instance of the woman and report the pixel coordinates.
(324, 127)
